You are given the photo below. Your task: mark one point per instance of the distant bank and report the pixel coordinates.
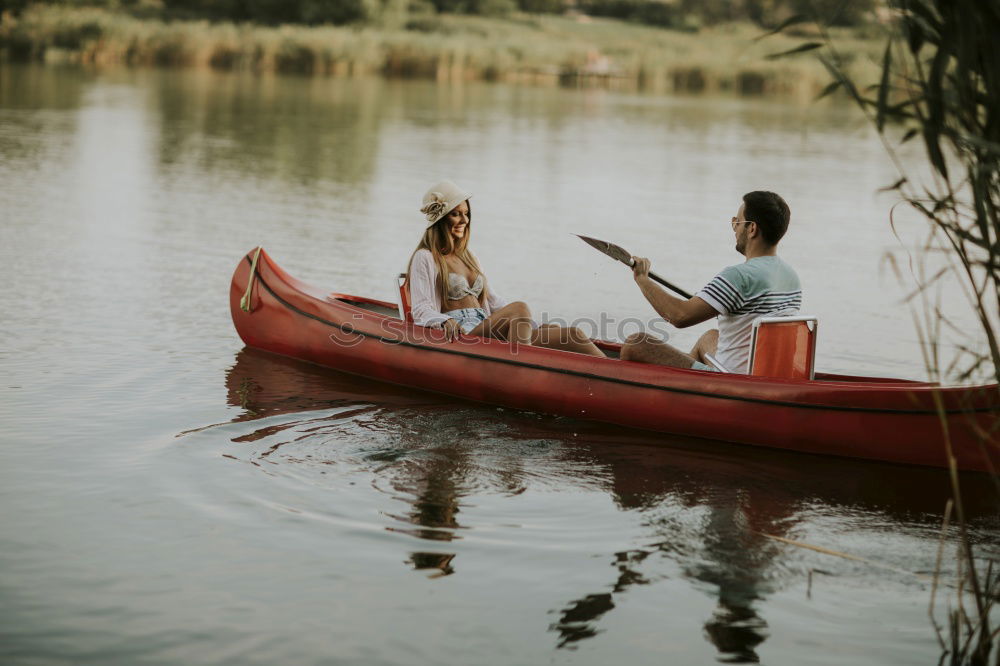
(535, 49)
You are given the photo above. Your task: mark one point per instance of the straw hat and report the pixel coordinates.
(441, 199)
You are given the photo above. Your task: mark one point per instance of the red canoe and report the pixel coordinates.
(890, 420)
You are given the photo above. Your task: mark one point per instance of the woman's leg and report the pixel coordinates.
(511, 322)
(568, 338)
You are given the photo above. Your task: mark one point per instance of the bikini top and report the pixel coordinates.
(458, 286)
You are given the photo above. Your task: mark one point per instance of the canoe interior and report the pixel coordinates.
(612, 349)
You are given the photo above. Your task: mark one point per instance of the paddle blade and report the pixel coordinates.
(615, 252)
(621, 254)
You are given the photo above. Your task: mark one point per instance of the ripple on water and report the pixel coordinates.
(421, 467)
(330, 517)
(358, 480)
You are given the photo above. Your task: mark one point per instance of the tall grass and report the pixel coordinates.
(939, 85)
(519, 48)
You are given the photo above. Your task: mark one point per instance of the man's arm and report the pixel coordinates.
(678, 311)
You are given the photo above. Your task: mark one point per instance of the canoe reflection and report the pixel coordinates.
(739, 494)
(264, 384)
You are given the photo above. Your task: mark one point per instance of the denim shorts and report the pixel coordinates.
(698, 365)
(468, 318)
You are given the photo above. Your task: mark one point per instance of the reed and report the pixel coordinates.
(518, 48)
(938, 84)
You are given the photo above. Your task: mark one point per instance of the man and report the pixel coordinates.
(763, 285)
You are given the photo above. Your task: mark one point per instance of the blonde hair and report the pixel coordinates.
(438, 241)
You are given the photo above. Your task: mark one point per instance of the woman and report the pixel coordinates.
(462, 302)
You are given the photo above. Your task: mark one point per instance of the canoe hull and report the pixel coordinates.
(886, 420)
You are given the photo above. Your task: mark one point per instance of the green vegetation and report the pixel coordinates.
(939, 84)
(518, 48)
(684, 14)
(691, 14)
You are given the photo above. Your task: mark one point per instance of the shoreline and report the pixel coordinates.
(522, 49)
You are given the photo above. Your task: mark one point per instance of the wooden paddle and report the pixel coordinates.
(621, 254)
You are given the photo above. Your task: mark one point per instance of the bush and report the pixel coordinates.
(233, 10)
(12, 6)
(493, 7)
(542, 6)
(272, 12)
(652, 12)
(656, 13)
(481, 7)
(332, 11)
(770, 13)
(74, 37)
(834, 12)
(453, 6)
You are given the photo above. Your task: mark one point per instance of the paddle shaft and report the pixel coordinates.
(672, 287)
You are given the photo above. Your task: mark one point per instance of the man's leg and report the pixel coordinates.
(708, 343)
(644, 348)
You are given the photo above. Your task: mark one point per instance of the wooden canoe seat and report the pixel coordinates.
(784, 347)
(404, 298)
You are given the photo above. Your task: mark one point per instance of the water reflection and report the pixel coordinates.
(153, 182)
(727, 552)
(578, 620)
(707, 507)
(295, 129)
(263, 384)
(436, 486)
(737, 557)
(439, 561)
(37, 122)
(734, 565)
(35, 88)
(745, 496)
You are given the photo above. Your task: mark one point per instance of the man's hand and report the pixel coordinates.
(451, 329)
(640, 268)
(679, 312)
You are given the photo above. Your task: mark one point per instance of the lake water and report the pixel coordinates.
(168, 497)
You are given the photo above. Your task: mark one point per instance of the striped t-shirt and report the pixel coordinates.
(762, 286)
